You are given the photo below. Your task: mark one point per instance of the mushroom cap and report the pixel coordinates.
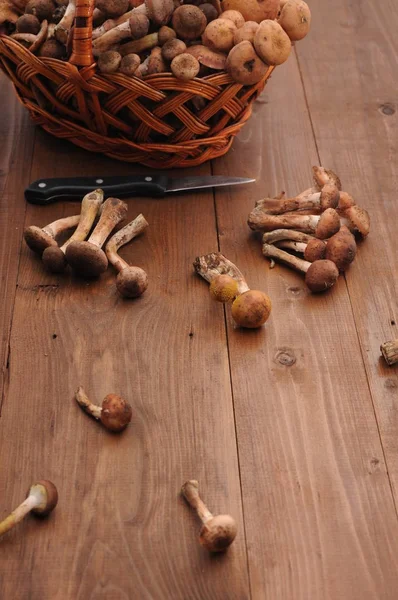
(244, 65)
(86, 259)
(159, 11)
(54, 259)
(112, 8)
(218, 533)
(322, 176)
(28, 23)
(330, 196)
(132, 282)
(109, 61)
(315, 250)
(116, 413)
(321, 275)
(219, 35)
(50, 496)
(173, 48)
(209, 11)
(251, 309)
(224, 288)
(37, 239)
(130, 64)
(346, 201)
(246, 33)
(208, 58)
(256, 10)
(271, 42)
(185, 66)
(295, 18)
(235, 16)
(341, 249)
(42, 9)
(359, 219)
(328, 224)
(139, 26)
(52, 48)
(189, 22)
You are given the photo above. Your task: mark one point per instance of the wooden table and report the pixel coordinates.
(293, 429)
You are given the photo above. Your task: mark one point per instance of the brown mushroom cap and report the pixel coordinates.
(295, 18)
(112, 8)
(132, 282)
(129, 64)
(86, 259)
(52, 48)
(341, 249)
(346, 201)
(165, 34)
(255, 10)
(209, 11)
(244, 65)
(323, 176)
(272, 44)
(251, 309)
(37, 239)
(224, 288)
(54, 259)
(185, 66)
(156, 62)
(189, 22)
(159, 11)
(208, 58)
(139, 26)
(359, 220)
(328, 224)
(321, 275)
(218, 533)
(315, 250)
(42, 9)
(28, 23)
(330, 196)
(246, 33)
(219, 35)
(173, 48)
(235, 16)
(51, 497)
(116, 413)
(109, 61)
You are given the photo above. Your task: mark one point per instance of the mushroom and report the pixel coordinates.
(271, 42)
(111, 23)
(54, 256)
(115, 413)
(219, 35)
(341, 249)
(189, 22)
(390, 352)
(357, 220)
(246, 33)
(41, 499)
(42, 9)
(38, 239)
(312, 248)
(109, 61)
(52, 48)
(250, 308)
(208, 58)
(34, 42)
(185, 66)
(319, 275)
(129, 64)
(27, 23)
(217, 532)
(244, 66)
(165, 34)
(322, 226)
(173, 48)
(235, 16)
(209, 11)
(112, 8)
(135, 28)
(346, 201)
(322, 176)
(158, 11)
(224, 288)
(295, 19)
(137, 46)
(63, 28)
(131, 282)
(328, 197)
(255, 10)
(156, 63)
(87, 258)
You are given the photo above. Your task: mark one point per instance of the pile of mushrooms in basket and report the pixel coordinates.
(190, 39)
(314, 232)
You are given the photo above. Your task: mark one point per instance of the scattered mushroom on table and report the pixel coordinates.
(40, 238)
(41, 499)
(115, 413)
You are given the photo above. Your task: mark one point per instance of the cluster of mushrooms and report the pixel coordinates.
(189, 38)
(313, 232)
(83, 251)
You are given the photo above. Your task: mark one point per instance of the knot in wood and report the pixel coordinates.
(285, 357)
(387, 109)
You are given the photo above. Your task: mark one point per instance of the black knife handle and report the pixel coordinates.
(45, 191)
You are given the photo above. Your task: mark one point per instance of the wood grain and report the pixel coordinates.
(363, 70)
(17, 135)
(120, 530)
(319, 513)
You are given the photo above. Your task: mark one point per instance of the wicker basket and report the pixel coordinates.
(151, 121)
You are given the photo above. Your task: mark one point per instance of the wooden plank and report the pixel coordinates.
(120, 529)
(319, 513)
(17, 135)
(362, 71)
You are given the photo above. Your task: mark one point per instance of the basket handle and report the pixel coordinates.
(82, 52)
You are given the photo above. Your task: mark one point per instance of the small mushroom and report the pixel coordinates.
(246, 33)
(131, 282)
(109, 61)
(33, 42)
(42, 9)
(341, 249)
(63, 28)
(219, 35)
(244, 65)
(173, 48)
(320, 275)
(28, 23)
(235, 16)
(295, 19)
(112, 8)
(135, 28)
(322, 176)
(129, 64)
(209, 11)
(157, 11)
(224, 288)
(87, 258)
(357, 220)
(328, 197)
(189, 22)
(346, 201)
(272, 44)
(254, 10)
(389, 351)
(38, 239)
(111, 23)
(52, 48)
(165, 34)
(41, 499)
(217, 532)
(137, 46)
(54, 256)
(322, 226)
(185, 67)
(156, 63)
(208, 58)
(115, 413)
(312, 248)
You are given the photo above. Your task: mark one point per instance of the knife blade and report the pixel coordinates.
(45, 191)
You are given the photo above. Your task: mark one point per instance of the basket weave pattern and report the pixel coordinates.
(155, 121)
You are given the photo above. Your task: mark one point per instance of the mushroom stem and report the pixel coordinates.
(91, 409)
(323, 226)
(286, 234)
(133, 28)
(390, 352)
(35, 41)
(41, 499)
(63, 28)
(296, 263)
(38, 239)
(212, 265)
(190, 491)
(137, 46)
(328, 197)
(110, 24)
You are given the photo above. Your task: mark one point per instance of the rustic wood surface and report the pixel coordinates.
(293, 429)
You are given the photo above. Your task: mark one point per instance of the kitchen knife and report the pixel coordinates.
(45, 191)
